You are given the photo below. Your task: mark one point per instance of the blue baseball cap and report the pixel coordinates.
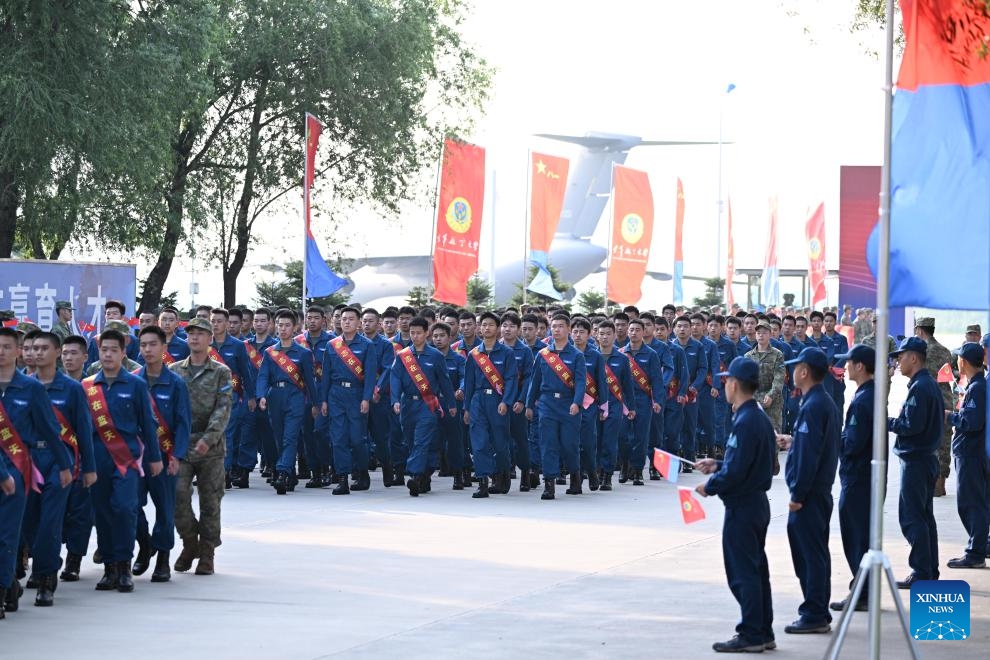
(811, 356)
(743, 368)
(971, 352)
(913, 344)
(860, 353)
(986, 340)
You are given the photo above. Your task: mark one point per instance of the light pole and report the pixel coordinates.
(718, 241)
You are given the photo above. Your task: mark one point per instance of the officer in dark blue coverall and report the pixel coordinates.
(855, 465)
(619, 398)
(316, 438)
(969, 447)
(420, 390)
(233, 354)
(810, 474)
(726, 349)
(674, 396)
(742, 480)
(591, 411)
(919, 432)
(649, 394)
(450, 436)
(559, 385)
(380, 417)
(840, 346)
(654, 338)
(518, 424)
(256, 432)
(529, 330)
(347, 391)
(708, 392)
(697, 366)
(286, 398)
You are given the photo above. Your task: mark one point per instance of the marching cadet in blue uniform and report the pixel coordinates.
(726, 353)
(644, 365)
(810, 474)
(451, 428)
(697, 366)
(124, 432)
(840, 346)
(969, 447)
(707, 393)
(855, 466)
(618, 396)
(285, 388)
(742, 480)
(256, 431)
(518, 425)
(559, 383)
(529, 330)
(231, 352)
(175, 346)
(591, 412)
(652, 327)
(793, 394)
(380, 417)
(45, 512)
(490, 383)
(316, 440)
(919, 433)
(170, 404)
(674, 396)
(350, 364)
(818, 339)
(29, 432)
(420, 389)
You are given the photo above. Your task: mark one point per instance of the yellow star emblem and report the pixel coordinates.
(541, 167)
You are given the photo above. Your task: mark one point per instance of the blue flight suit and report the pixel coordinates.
(726, 353)
(235, 357)
(810, 473)
(171, 396)
(594, 363)
(840, 346)
(742, 482)
(919, 433)
(646, 395)
(533, 430)
(665, 353)
(287, 401)
(380, 419)
(316, 439)
(793, 400)
(343, 392)
(77, 517)
(488, 429)
(115, 493)
(824, 342)
(697, 367)
(673, 409)
(518, 428)
(419, 423)
(30, 410)
(451, 429)
(615, 422)
(559, 429)
(973, 466)
(855, 469)
(177, 347)
(463, 347)
(256, 431)
(705, 431)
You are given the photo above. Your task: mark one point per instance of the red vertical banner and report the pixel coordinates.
(730, 266)
(814, 231)
(632, 234)
(462, 192)
(549, 183)
(313, 130)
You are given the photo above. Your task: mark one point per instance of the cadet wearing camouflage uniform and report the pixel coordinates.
(772, 372)
(129, 365)
(61, 328)
(938, 356)
(211, 396)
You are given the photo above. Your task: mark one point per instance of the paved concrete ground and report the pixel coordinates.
(380, 574)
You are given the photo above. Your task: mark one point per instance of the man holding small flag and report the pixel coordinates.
(742, 480)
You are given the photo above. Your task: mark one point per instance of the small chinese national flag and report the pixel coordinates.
(667, 464)
(690, 507)
(945, 374)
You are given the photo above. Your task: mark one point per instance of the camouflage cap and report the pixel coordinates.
(25, 327)
(976, 329)
(63, 304)
(7, 315)
(764, 325)
(199, 324)
(119, 326)
(925, 322)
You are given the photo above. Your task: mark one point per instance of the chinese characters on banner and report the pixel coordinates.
(632, 233)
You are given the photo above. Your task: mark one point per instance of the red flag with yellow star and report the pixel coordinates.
(690, 507)
(632, 234)
(549, 183)
(455, 249)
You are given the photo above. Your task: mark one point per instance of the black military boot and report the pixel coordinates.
(145, 551)
(468, 480)
(593, 480)
(495, 484)
(654, 475)
(316, 481)
(72, 565)
(534, 478)
(414, 484)
(362, 480)
(624, 472)
(46, 591)
(243, 478)
(482, 488)
(162, 573)
(549, 489)
(458, 480)
(428, 481)
(524, 481)
(637, 477)
(125, 582)
(342, 487)
(110, 578)
(388, 473)
(561, 480)
(398, 475)
(328, 477)
(3, 597)
(227, 483)
(575, 488)
(606, 481)
(266, 472)
(281, 483)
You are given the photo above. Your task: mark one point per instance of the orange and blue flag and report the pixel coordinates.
(940, 160)
(771, 274)
(679, 246)
(320, 280)
(667, 464)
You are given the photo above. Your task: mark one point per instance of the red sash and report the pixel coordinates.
(488, 369)
(106, 430)
(235, 380)
(347, 356)
(419, 379)
(317, 365)
(396, 347)
(557, 365)
(17, 452)
(286, 364)
(68, 436)
(639, 376)
(253, 355)
(166, 439)
(613, 383)
(167, 358)
(672, 389)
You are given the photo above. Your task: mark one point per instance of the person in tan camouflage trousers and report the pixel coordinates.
(770, 393)
(938, 357)
(210, 394)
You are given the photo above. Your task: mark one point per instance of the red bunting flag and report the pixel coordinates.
(814, 231)
(549, 183)
(690, 507)
(945, 374)
(632, 234)
(462, 191)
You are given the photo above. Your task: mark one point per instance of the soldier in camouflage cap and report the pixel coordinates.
(938, 356)
(130, 365)
(770, 392)
(62, 328)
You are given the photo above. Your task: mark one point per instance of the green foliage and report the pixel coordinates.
(535, 298)
(287, 292)
(419, 296)
(591, 301)
(479, 292)
(714, 293)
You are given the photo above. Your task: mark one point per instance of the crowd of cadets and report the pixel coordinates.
(485, 398)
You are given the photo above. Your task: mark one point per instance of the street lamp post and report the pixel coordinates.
(718, 240)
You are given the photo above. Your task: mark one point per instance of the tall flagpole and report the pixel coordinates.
(306, 202)
(611, 229)
(433, 222)
(529, 220)
(491, 239)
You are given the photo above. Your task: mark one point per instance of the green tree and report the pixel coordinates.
(714, 293)
(479, 292)
(591, 301)
(419, 296)
(535, 298)
(287, 292)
